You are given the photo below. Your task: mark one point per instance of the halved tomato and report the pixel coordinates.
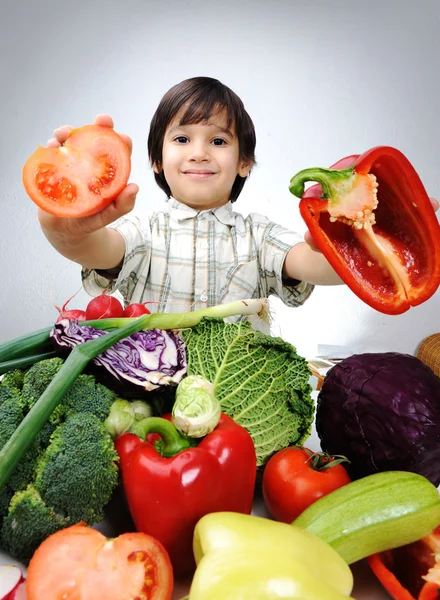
(79, 563)
(81, 177)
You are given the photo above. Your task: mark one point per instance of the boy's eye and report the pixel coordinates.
(181, 139)
(218, 142)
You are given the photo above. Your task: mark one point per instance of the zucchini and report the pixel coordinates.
(374, 514)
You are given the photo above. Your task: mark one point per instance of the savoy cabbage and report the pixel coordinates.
(260, 381)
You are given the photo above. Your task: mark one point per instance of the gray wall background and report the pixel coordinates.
(321, 80)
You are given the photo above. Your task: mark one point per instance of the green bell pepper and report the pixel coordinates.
(252, 558)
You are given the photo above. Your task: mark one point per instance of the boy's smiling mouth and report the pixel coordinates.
(198, 173)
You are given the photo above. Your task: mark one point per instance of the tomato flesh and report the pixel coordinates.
(78, 561)
(80, 178)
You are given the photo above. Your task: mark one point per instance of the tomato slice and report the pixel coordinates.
(79, 563)
(81, 177)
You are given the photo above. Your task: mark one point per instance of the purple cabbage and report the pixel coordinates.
(382, 411)
(148, 359)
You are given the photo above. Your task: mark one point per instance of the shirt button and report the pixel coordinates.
(204, 298)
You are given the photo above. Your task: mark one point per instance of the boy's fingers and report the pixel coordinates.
(107, 121)
(123, 204)
(126, 199)
(104, 120)
(62, 133)
(53, 143)
(435, 204)
(308, 238)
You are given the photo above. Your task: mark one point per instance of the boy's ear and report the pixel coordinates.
(244, 168)
(157, 168)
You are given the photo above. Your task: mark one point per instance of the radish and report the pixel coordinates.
(104, 307)
(12, 585)
(136, 310)
(74, 314)
(77, 314)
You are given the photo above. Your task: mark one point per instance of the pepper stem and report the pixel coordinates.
(172, 441)
(331, 180)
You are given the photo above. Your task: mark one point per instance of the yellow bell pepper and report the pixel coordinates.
(242, 557)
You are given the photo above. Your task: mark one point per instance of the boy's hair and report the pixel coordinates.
(204, 97)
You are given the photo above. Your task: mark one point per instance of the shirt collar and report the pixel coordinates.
(181, 212)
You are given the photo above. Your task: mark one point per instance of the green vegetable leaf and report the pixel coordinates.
(260, 381)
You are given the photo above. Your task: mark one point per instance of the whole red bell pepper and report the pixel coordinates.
(372, 219)
(171, 486)
(411, 572)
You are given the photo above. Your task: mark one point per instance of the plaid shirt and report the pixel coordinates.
(184, 259)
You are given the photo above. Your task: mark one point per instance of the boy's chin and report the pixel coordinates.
(203, 202)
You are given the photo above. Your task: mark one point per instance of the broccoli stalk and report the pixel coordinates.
(80, 356)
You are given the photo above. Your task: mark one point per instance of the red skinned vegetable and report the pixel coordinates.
(372, 219)
(104, 307)
(72, 313)
(81, 177)
(135, 310)
(168, 493)
(80, 563)
(411, 572)
(295, 477)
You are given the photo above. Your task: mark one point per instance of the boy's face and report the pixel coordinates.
(201, 161)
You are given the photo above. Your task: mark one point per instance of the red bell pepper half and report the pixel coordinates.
(372, 219)
(169, 491)
(411, 572)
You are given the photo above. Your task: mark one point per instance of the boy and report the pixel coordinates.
(197, 252)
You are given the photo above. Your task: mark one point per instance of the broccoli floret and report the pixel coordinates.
(13, 379)
(45, 434)
(25, 470)
(28, 522)
(36, 380)
(78, 472)
(5, 497)
(88, 396)
(85, 395)
(11, 413)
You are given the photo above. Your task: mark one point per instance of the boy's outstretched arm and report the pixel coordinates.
(305, 263)
(87, 241)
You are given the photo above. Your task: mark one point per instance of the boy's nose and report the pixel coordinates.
(199, 152)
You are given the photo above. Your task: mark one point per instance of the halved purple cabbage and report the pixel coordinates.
(382, 411)
(148, 359)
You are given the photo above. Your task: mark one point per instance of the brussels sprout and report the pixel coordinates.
(196, 411)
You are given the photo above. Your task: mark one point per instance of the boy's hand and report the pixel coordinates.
(76, 229)
(311, 242)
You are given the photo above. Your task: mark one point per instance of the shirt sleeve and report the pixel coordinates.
(137, 237)
(275, 243)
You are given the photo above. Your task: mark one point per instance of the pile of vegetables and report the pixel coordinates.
(242, 401)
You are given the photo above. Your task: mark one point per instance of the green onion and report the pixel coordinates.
(80, 356)
(24, 362)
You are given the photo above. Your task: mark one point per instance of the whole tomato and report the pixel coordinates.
(295, 477)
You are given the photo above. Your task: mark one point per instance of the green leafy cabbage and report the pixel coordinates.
(260, 381)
